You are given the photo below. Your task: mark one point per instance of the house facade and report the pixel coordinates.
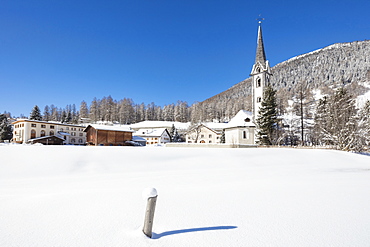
(154, 136)
(203, 134)
(34, 131)
(105, 135)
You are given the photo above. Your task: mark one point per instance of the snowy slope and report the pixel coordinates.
(92, 196)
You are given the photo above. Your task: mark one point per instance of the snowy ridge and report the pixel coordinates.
(333, 46)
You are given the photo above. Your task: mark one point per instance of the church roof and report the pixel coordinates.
(260, 52)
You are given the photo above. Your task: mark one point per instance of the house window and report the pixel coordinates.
(202, 136)
(51, 126)
(42, 133)
(210, 141)
(33, 134)
(73, 133)
(67, 128)
(61, 129)
(73, 140)
(210, 136)
(51, 133)
(33, 125)
(43, 126)
(247, 120)
(79, 140)
(259, 99)
(81, 134)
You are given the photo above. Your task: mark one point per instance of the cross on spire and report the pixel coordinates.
(260, 19)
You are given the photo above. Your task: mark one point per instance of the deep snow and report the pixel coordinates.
(92, 196)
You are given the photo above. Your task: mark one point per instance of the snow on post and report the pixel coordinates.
(149, 194)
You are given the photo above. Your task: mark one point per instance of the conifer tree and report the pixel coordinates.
(5, 128)
(267, 118)
(336, 122)
(223, 139)
(36, 113)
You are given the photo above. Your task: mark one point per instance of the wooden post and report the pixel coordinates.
(149, 215)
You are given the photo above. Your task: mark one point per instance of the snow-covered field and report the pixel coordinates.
(92, 196)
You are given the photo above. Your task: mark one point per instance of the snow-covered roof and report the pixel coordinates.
(44, 137)
(242, 119)
(215, 126)
(138, 138)
(150, 132)
(159, 124)
(63, 133)
(47, 122)
(124, 128)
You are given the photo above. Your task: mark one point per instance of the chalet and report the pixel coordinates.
(105, 135)
(154, 136)
(49, 133)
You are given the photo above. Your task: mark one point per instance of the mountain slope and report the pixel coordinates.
(336, 65)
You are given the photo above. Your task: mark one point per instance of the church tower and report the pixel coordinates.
(261, 73)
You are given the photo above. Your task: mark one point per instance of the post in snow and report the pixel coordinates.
(151, 195)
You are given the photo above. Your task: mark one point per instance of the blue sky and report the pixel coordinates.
(161, 51)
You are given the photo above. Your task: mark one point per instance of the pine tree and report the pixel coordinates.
(47, 114)
(5, 128)
(336, 122)
(36, 113)
(223, 139)
(84, 112)
(267, 118)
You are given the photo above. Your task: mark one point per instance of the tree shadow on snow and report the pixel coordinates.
(200, 229)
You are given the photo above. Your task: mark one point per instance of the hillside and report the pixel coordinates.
(336, 65)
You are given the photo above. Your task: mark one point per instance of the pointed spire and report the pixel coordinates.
(260, 53)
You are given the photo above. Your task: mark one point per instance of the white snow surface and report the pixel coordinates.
(91, 196)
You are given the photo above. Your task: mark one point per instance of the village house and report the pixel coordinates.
(205, 133)
(154, 136)
(49, 133)
(106, 135)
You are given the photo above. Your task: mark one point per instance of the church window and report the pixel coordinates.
(245, 134)
(247, 120)
(259, 99)
(258, 82)
(258, 70)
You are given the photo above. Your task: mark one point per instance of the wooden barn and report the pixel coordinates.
(104, 135)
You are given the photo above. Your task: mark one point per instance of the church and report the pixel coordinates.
(242, 128)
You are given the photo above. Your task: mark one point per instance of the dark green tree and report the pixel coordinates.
(222, 140)
(36, 113)
(267, 118)
(5, 128)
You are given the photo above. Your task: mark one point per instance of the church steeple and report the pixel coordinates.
(260, 53)
(261, 73)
